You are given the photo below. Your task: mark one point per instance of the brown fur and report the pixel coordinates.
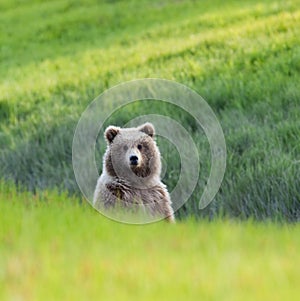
(133, 186)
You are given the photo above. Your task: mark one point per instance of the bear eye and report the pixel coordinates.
(139, 146)
(125, 147)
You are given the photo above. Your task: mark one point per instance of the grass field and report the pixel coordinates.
(59, 249)
(243, 57)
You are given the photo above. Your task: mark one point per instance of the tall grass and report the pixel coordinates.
(242, 57)
(54, 248)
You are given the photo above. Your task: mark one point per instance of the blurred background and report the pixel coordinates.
(242, 57)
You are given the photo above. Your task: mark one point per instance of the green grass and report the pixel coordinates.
(242, 57)
(56, 248)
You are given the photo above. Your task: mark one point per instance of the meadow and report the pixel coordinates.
(242, 57)
(56, 248)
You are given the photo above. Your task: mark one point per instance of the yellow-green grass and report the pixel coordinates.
(53, 247)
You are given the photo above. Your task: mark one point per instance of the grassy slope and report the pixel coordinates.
(244, 58)
(56, 249)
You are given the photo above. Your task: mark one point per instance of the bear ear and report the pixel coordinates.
(111, 132)
(148, 129)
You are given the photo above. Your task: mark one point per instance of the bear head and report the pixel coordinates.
(132, 155)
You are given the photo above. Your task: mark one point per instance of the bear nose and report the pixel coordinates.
(133, 160)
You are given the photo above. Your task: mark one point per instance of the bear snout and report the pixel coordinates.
(134, 160)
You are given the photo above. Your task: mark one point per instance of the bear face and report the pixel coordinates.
(132, 155)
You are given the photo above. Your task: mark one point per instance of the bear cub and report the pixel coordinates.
(131, 173)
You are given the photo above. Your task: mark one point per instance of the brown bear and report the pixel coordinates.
(131, 173)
